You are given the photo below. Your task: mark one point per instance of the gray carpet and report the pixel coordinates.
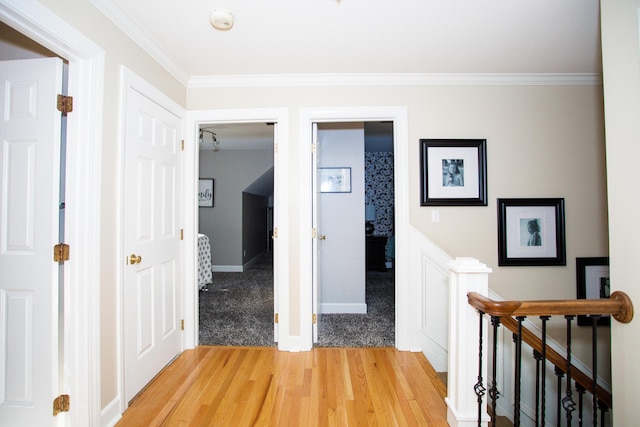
(237, 310)
(374, 329)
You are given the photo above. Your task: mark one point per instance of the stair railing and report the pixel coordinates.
(511, 315)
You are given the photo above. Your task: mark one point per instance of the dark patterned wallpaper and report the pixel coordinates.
(378, 191)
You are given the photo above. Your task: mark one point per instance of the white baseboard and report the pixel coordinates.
(227, 268)
(110, 414)
(337, 308)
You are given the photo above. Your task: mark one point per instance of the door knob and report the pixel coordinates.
(322, 237)
(135, 259)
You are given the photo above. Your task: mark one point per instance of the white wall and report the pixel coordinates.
(621, 74)
(342, 254)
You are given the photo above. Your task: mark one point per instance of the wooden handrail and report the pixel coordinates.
(619, 306)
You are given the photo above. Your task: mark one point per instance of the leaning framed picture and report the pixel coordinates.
(592, 277)
(205, 192)
(453, 172)
(531, 232)
(335, 180)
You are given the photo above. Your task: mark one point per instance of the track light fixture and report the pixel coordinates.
(214, 139)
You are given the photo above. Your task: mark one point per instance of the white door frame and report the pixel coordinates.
(398, 115)
(280, 116)
(83, 182)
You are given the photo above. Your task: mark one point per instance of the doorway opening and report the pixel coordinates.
(355, 252)
(235, 227)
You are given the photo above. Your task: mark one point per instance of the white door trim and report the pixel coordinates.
(401, 181)
(280, 221)
(83, 183)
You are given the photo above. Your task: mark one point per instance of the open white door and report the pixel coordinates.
(152, 276)
(29, 190)
(317, 238)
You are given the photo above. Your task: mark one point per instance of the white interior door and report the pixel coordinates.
(317, 237)
(29, 189)
(152, 278)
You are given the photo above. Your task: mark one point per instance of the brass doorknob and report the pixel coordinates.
(135, 259)
(322, 237)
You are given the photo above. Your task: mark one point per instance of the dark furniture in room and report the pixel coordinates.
(376, 246)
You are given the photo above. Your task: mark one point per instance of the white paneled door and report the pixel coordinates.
(152, 271)
(29, 195)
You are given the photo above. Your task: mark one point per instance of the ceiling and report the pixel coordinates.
(286, 40)
(311, 37)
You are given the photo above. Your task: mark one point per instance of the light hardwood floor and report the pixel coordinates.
(256, 386)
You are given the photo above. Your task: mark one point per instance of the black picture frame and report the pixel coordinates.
(453, 172)
(517, 245)
(205, 192)
(592, 279)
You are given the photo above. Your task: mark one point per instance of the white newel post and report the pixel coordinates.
(467, 275)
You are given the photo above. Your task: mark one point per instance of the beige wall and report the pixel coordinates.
(621, 73)
(542, 141)
(119, 51)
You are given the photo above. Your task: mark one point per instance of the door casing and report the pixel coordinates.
(309, 116)
(195, 119)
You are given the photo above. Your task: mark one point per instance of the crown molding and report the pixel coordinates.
(130, 28)
(133, 30)
(407, 79)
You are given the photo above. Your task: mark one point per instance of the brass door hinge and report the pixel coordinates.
(313, 148)
(182, 324)
(182, 234)
(182, 145)
(314, 318)
(314, 233)
(276, 318)
(61, 404)
(65, 104)
(275, 233)
(61, 252)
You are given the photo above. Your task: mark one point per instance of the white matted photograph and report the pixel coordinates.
(453, 172)
(335, 180)
(592, 277)
(531, 232)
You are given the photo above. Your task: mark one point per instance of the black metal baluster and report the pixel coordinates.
(594, 361)
(603, 412)
(543, 380)
(538, 357)
(479, 387)
(567, 403)
(493, 390)
(560, 375)
(581, 390)
(518, 372)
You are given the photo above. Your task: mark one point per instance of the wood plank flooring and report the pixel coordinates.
(261, 386)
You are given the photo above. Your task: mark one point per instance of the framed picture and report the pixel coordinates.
(205, 193)
(335, 180)
(592, 277)
(453, 172)
(531, 232)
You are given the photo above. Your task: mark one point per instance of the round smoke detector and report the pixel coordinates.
(221, 19)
